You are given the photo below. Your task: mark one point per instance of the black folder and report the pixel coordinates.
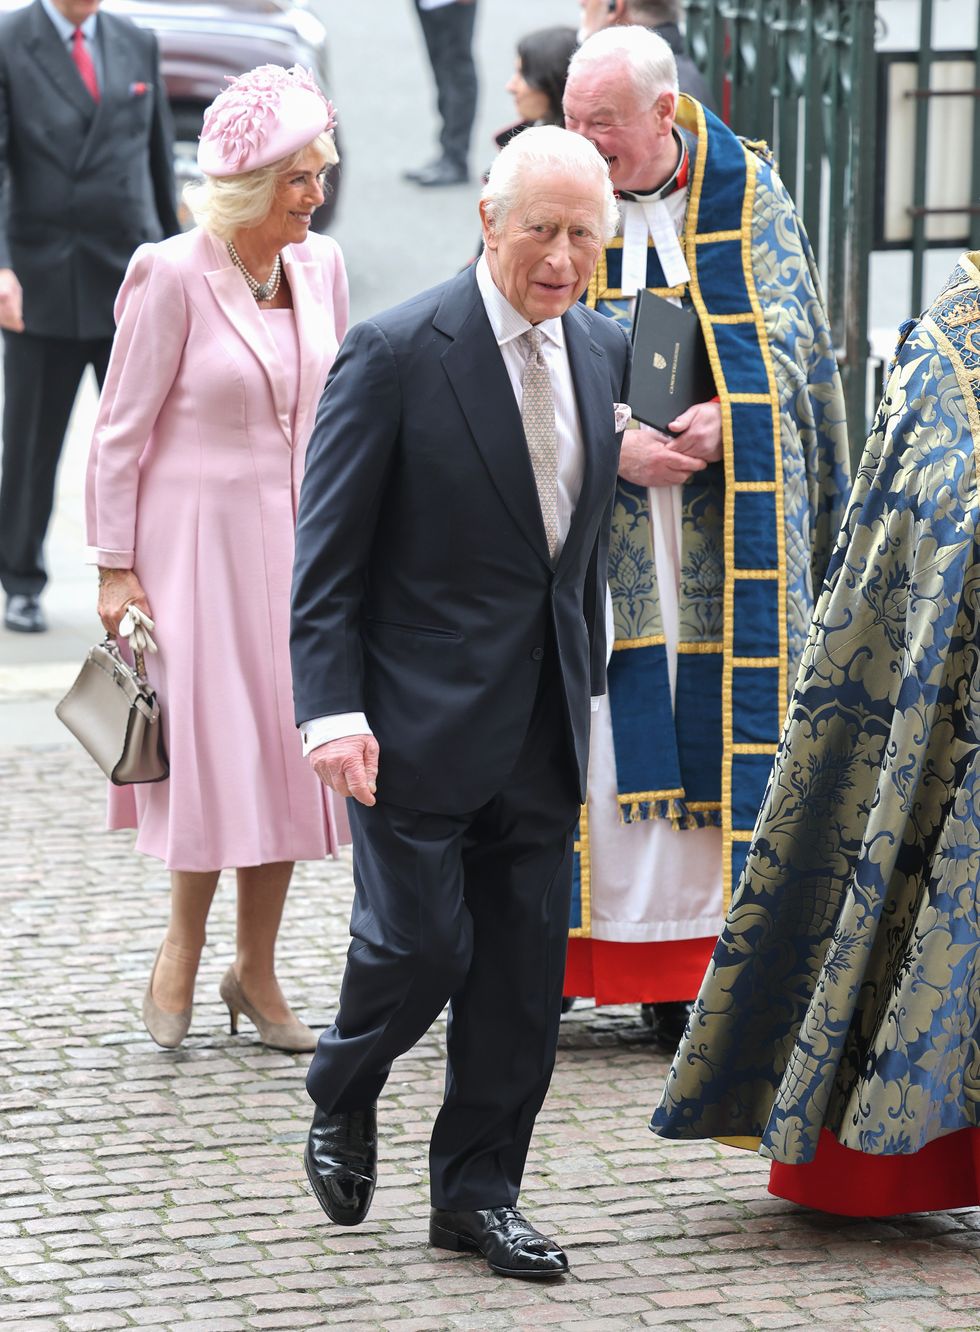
(671, 371)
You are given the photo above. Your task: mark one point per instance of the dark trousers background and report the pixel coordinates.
(448, 33)
(472, 909)
(40, 382)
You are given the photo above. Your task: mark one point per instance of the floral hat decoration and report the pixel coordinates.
(262, 117)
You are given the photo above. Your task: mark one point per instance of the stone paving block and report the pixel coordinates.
(284, 1318)
(32, 1325)
(94, 1322)
(12, 1313)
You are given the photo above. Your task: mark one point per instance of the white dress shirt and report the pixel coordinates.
(508, 328)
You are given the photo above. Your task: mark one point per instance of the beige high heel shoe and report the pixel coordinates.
(167, 1029)
(294, 1037)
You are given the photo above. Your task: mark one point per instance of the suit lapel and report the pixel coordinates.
(241, 310)
(46, 48)
(117, 67)
(483, 389)
(590, 378)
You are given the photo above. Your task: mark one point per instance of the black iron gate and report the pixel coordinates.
(804, 75)
(801, 74)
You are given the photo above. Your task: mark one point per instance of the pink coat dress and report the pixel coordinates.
(193, 481)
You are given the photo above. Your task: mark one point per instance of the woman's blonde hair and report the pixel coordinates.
(223, 205)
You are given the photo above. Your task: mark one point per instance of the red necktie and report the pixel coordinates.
(84, 63)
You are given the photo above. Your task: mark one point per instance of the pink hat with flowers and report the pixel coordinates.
(262, 117)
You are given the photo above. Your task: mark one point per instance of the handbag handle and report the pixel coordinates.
(112, 643)
(138, 635)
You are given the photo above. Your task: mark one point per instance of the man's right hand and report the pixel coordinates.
(11, 302)
(348, 766)
(647, 459)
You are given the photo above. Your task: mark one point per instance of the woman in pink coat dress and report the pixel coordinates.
(224, 339)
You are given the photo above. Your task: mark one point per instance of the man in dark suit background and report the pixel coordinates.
(448, 630)
(447, 26)
(662, 17)
(86, 176)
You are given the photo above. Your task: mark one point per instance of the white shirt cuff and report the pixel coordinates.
(321, 730)
(594, 700)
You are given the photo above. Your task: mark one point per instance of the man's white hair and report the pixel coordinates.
(648, 58)
(542, 148)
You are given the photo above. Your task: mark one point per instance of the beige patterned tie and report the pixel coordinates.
(538, 414)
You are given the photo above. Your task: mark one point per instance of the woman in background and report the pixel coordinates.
(538, 82)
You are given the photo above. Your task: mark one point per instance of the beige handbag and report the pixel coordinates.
(113, 711)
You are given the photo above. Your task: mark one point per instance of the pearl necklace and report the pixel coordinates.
(262, 291)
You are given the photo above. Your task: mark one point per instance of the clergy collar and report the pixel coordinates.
(677, 181)
(506, 323)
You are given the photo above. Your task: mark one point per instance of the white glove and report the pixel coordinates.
(136, 626)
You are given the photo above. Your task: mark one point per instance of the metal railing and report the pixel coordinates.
(928, 93)
(801, 74)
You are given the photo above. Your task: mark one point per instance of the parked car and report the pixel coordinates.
(202, 41)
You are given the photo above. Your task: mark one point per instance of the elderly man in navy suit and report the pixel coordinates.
(86, 176)
(448, 631)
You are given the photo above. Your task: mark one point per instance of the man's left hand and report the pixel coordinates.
(697, 432)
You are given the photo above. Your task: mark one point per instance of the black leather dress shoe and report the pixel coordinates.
(511, 1246)
(443, 172)
(24, 615)
(414, 172)
(667, 1021)
(341, 1160)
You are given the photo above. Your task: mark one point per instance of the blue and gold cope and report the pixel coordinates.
(757, 528)
(844, 992)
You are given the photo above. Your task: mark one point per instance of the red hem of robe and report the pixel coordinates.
(637, 973)
(943, 1175)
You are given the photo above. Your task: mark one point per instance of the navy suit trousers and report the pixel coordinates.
(469, 909)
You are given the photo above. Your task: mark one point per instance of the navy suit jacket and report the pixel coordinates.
(423, 591)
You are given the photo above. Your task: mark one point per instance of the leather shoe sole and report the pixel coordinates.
(443, 1238)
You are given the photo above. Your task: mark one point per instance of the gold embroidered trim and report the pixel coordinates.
(654, 640)
(961, 372)
(710, 237)
(584, 931)
(695, 649)
(636, 797)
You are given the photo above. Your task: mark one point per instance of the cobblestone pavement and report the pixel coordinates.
(154, 1189)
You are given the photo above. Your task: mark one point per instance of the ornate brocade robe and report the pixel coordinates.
(843, 998)
(756, 529)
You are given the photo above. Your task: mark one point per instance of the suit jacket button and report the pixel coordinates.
(537, 654)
